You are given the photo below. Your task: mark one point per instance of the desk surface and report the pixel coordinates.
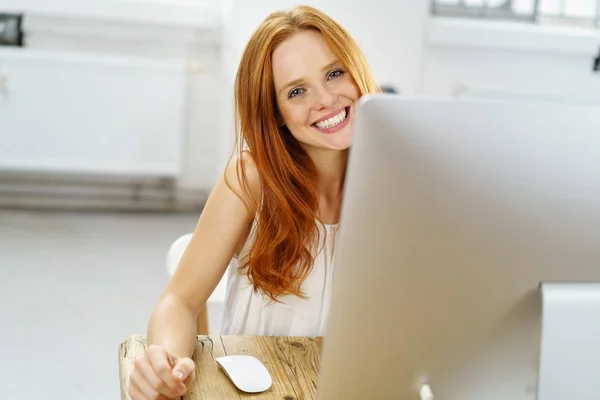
(292, 361)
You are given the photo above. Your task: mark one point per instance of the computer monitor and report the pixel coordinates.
(468, 264)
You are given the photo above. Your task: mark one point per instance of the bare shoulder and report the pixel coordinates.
(242, 177)
(220, 233)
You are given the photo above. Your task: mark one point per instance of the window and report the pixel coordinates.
(577, 12)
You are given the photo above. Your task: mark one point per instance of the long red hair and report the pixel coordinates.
(286, 231)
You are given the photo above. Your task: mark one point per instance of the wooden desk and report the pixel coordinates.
(292, 361)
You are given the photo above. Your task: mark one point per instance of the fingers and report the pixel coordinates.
(145, 392)
(136, 394)
(161, 366)
(183, 371)
(151, 378)
(153, 382)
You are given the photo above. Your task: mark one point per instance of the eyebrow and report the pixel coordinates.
(296, 82)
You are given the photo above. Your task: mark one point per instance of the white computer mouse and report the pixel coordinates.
(246, 372)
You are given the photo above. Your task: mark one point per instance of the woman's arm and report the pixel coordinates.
(221, 231)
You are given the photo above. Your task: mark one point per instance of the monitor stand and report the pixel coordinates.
(570, 342)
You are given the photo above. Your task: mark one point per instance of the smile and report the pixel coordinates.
(333, 123)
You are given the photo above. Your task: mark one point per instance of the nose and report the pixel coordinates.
(325, 98)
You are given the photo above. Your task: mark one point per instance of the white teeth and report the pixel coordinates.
(333, 121)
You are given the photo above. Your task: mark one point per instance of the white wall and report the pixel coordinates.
(389, 32)
(190, 13)
(151, 32)
(510, 60)
(405, 48)
(390, 35)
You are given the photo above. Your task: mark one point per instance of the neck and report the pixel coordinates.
(331, 167)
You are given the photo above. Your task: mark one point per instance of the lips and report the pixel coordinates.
(334, 121)
(337, 113)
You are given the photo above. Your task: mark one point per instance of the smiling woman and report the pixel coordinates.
(297, 85)
(273, 217)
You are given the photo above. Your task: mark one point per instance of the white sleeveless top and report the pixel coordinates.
(250, 313)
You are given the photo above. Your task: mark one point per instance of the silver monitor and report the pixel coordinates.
(468, 265)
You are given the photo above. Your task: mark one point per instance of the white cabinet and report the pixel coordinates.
(71, 112)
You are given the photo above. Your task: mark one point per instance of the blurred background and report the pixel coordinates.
(116, 119)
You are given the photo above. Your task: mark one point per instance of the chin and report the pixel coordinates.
(344, 143)
(329, 145)
(340, 141)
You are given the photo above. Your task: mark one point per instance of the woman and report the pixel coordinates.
(274, 214)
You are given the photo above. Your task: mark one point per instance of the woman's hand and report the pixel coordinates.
(159, 375)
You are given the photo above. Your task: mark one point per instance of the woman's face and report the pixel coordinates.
(315, 94)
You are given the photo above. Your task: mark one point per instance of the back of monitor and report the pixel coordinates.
(454, 213)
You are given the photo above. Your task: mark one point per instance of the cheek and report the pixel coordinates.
(353, 92)
(295, 115)
(349, 89)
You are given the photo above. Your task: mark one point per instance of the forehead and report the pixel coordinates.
(300, 55)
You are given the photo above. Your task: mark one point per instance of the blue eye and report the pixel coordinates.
(296, 92)
(336, 74)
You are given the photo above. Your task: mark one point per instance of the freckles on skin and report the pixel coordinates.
(301, 56)
(320, 86)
